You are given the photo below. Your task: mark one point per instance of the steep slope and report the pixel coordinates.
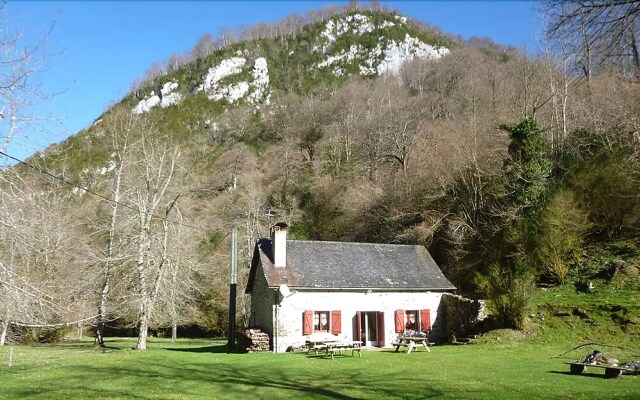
(366, 44)
(188, 102)
(315, 128)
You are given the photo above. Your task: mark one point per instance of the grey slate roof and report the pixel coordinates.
(343, 265)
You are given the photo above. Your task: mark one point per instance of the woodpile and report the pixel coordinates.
(252, 339)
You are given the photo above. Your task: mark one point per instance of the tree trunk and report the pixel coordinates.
(143, 332)
(102, 310)
(106, 283)
(144, 248)
(4, 326)
(174, 332)
(100, 333)
(636, 53)
(143, 318)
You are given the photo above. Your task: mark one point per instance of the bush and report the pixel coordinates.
(32, 335)
(562, 225)
(607, 184)
(509, 287)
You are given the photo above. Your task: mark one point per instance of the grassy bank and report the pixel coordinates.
(507, 367)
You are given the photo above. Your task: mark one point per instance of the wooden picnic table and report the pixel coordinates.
(330, 347)
(412, 342)
(339, 347)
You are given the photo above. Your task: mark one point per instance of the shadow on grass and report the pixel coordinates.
(584, 374)
(78, 346)
(160, 379)
(108, 348)
(324, 356)
(220, 349)
(401, 351)
(286, 383)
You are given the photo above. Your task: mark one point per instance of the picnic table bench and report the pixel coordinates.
(412, 342)
(331, 347)
(316, 347)
(610, 371)
(340, 347)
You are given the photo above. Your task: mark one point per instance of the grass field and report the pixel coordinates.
(508, 367)
(502, 364)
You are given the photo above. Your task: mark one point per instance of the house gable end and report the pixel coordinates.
(257, 262)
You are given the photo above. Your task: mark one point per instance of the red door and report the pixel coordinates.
(380, 318)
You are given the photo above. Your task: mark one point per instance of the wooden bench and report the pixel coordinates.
(610, 371)
(315, 348)
(340, 347)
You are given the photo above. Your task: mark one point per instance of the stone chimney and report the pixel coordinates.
(279, 244)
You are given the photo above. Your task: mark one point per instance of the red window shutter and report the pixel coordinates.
(358, 326)
(336, 322)
(425, 320)
(307, 322)
(380, 318)
(399, 321)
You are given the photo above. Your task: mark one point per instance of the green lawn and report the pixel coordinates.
(501, 368)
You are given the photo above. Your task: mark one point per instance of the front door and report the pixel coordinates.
(369, 326)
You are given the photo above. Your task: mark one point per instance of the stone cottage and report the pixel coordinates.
(359, 291)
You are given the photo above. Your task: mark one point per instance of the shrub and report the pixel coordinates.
(509, 287)
(32, 335)
(562, 225)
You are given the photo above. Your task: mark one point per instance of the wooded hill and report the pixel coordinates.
(360, 125)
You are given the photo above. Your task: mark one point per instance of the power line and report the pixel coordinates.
(214, 247)
(63, 180)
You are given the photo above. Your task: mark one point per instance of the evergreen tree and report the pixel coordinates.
(509, 280)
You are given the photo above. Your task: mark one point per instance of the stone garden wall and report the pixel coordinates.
(462, 315)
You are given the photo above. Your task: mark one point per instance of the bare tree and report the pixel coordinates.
(176, 61)
(36, 278)
(605, 34)
(562, 84)
(204, 47)
(21, 63)
(158, 68)
(292, 24)
(137, 232)
(348, 109)
(119, 126)
(154, 199)
(226, 37)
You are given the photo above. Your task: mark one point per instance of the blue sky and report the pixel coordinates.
(96, 50)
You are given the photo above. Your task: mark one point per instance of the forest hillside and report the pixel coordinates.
(354, 124)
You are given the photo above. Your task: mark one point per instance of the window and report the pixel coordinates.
(413, 320)
(321, 321)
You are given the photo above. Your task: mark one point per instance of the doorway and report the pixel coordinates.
(369, 326)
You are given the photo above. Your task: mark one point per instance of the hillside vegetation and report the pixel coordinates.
(365, 126)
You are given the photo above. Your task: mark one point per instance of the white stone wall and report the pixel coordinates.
(288, 315)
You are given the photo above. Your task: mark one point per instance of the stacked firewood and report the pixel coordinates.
(253, 339)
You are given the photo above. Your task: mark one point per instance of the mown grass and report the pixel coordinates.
(502, 364)
(506, 367)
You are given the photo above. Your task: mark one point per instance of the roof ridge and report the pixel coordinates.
(358, 243)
